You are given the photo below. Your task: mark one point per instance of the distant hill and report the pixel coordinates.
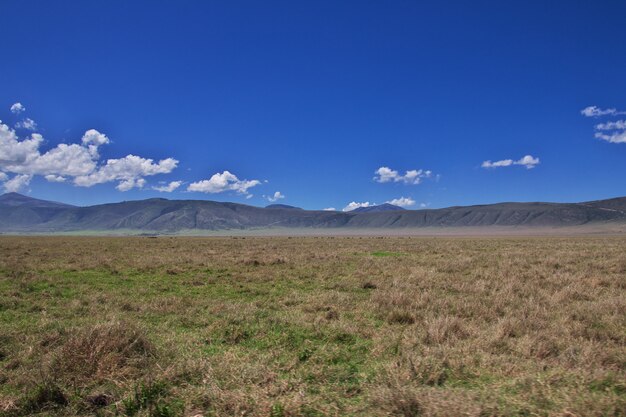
(376, 209)
(19, 200)
(20, 213)
(282, 206)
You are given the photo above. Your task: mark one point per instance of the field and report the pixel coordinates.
(313, 326)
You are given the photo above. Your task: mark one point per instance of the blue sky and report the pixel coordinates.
(234, 101)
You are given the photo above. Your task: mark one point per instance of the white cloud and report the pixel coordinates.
(502, 163)
(168, 188)
(616, 129)
(128, 170)
(402, 202)
(55, 178)
(65, 160)
(424, 205)
(80, 162)
(131, 183)
(415, 176)
(28, 124)
(594, 111)
(17, 108)
(618, 125)
(17, 183)
(223, 182)
(527, 161)
(354, 205)
(3, 177)
(273, 198)
(16, 152)
(616, 137)
(330, 209)
(92, 139)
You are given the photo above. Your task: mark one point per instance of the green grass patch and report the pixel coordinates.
(385, 254)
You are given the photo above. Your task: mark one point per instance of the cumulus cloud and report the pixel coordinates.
(612, 131)
(402, 202)
(78, 162)
(528, 161)
(594, 111)
(129, 170)
(3, 177)
(65, 160)
(273, 198)
(28, 124)
(225, 181)
(330, 209)
(354, 205)
(17, 108)
(415, 176)
(17, 183)
(15, 153)
(131, 183)
(92, 139)
(168, 188)
(55, 178)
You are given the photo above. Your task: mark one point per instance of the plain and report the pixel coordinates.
(313, 326)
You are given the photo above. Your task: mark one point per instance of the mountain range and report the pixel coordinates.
(23, 214)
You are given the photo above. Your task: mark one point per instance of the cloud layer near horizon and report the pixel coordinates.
(23, 157)
(168, 188)
(78, 163)
(402, 202)
(354, 205)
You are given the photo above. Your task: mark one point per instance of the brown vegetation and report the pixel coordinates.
(313, 326)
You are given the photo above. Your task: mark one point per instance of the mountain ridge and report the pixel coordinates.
(20, 214)
(377, 208)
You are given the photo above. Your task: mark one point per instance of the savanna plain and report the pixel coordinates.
(313, 326)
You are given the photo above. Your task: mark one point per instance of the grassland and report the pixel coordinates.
(312, 326)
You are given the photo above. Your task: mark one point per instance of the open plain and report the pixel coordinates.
(313, 326)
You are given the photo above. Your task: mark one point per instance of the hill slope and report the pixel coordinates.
(282, 206)
(24, 214)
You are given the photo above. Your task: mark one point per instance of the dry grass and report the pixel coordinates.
(313, 326)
